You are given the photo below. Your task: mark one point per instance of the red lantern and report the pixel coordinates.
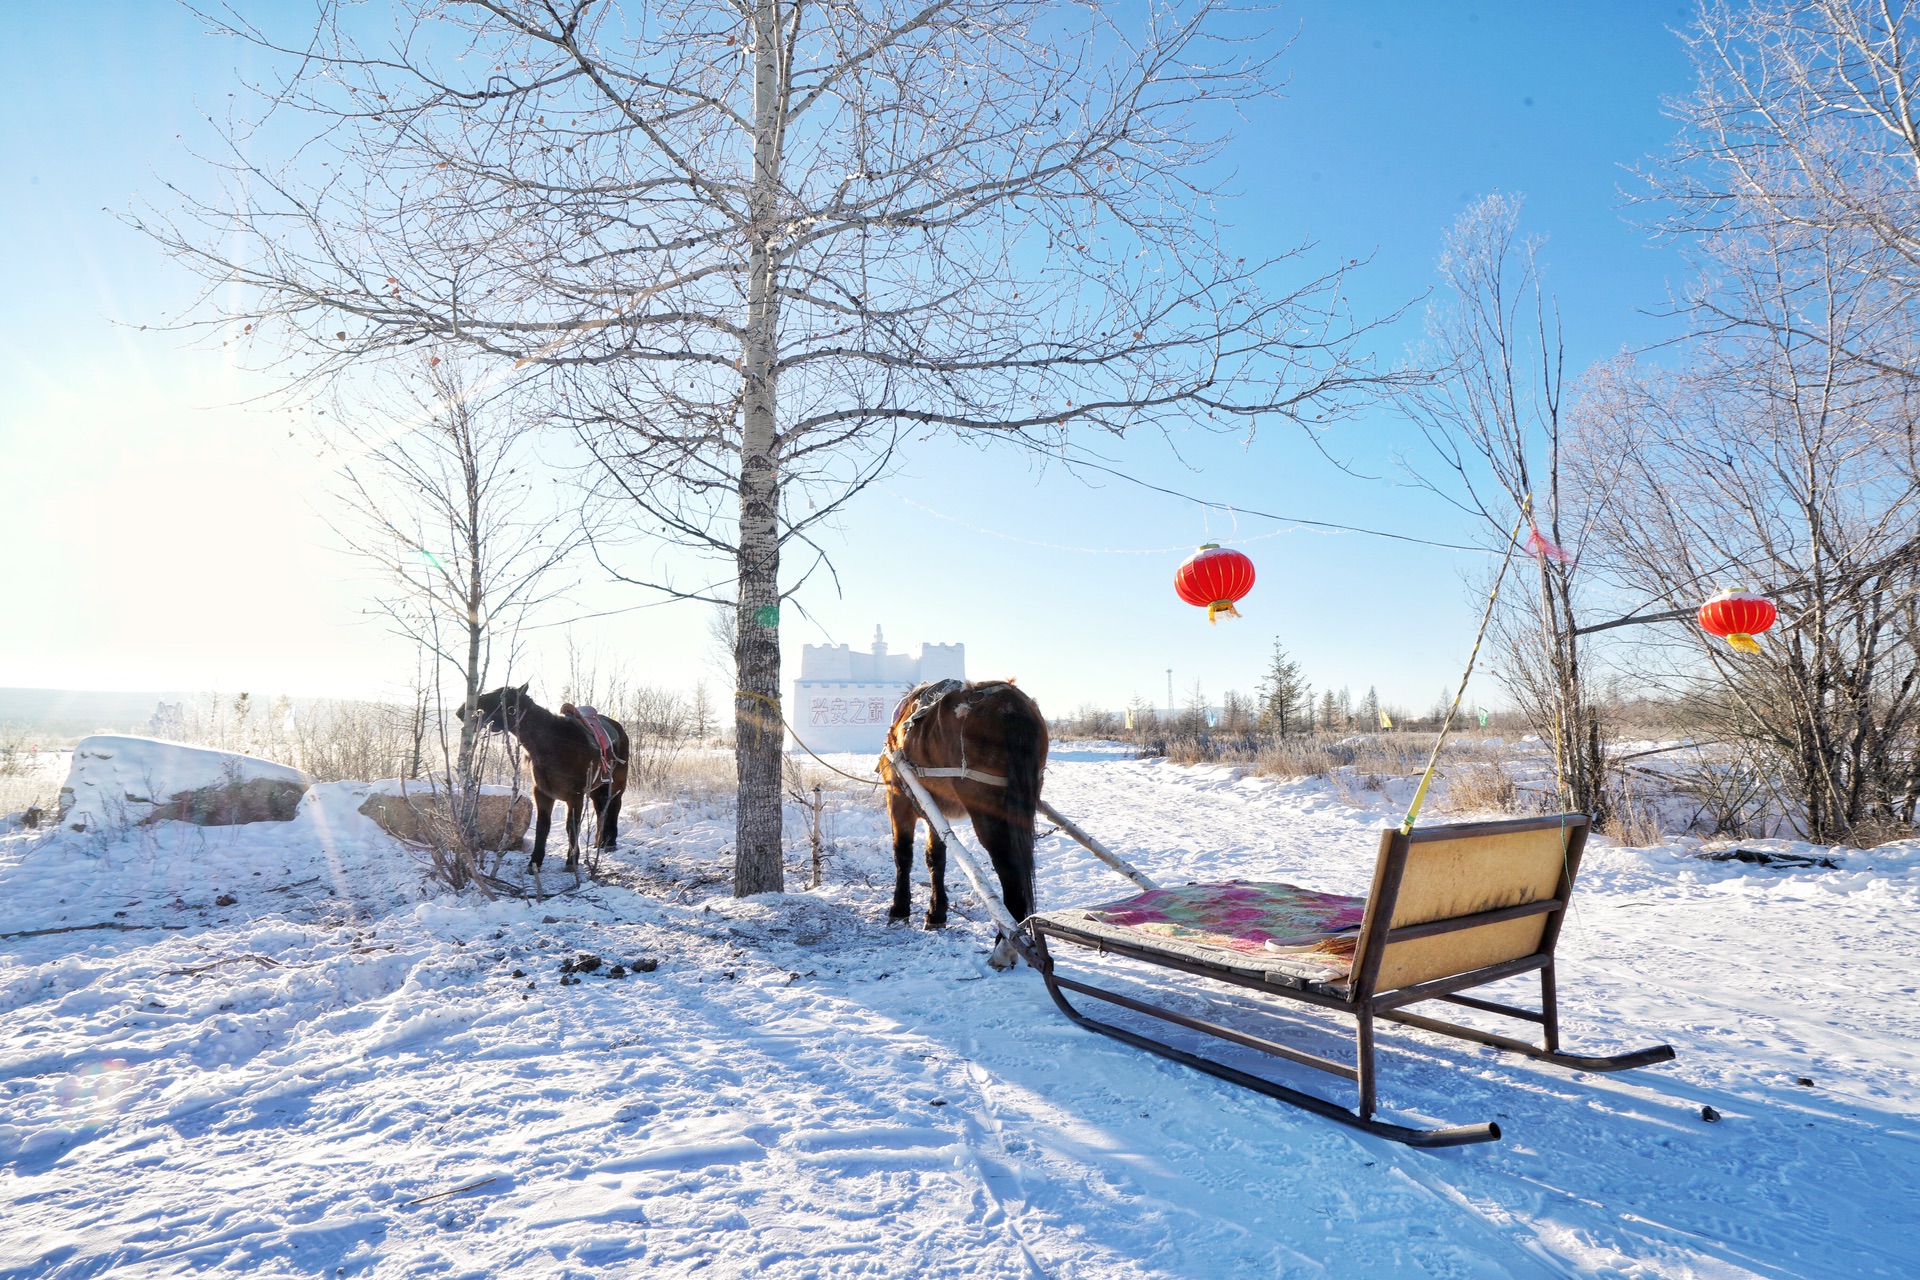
(1214, 577)
(1738, 616)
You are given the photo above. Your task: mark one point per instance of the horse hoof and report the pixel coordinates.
(935, 922)
(1003, 956)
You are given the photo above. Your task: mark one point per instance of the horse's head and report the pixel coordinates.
(500, 710)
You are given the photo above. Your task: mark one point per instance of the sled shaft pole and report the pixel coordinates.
(961, 853)
(1098, 850)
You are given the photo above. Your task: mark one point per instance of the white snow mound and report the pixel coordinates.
(118, 780)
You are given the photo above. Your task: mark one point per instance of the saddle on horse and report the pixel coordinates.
(589, 719)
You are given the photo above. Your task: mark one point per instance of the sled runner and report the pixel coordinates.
(1451, 908)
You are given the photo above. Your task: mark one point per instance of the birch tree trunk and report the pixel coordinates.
(758, 733)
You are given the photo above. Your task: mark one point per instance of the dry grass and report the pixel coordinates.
(338, 741)
(1303, 758)
(1635, 817)
(27, 779)
(1479, 767)
(1481, 788)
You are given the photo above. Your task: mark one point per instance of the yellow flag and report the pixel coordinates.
(1386, 721)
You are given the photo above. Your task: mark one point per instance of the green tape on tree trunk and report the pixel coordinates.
(767, 615)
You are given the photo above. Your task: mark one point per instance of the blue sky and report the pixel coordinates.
(162, 535)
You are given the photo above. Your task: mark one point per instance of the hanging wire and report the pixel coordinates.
(1265, 515)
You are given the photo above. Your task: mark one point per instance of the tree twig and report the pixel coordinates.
(441, 1195)
(82, 928)
(207, 968)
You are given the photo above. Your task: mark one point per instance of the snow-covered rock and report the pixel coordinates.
(404, 809)
(118, 781)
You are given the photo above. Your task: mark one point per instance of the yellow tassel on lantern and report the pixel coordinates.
(1744, 642)
(1219, 607)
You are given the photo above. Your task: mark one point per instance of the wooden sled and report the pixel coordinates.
(1451, 908)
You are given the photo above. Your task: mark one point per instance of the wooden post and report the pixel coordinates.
(1549, 1008)
(1363, 1045)
(814, 835)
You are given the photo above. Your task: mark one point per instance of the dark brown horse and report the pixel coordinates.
(566, 767)
(996, 734)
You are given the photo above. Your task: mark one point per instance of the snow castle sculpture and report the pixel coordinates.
(844, 701)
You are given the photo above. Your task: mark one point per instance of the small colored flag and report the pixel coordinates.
(1213, 718)
(1129, 717)
(1386, 721)
(1482, 712)
(1538, 544)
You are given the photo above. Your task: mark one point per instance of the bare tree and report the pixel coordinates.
(1783, 454)
(1490, 412)
(448, 503)
(1802, 127)
(1777, 461)
(753, 245)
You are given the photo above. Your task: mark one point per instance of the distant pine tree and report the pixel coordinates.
(1286, 699)
(1329, 711)
(1193, 716)
(1368, 712)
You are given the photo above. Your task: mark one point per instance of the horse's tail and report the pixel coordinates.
(1026, 754)
(1026, 748)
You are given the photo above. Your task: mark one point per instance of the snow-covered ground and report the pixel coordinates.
(294, 1060)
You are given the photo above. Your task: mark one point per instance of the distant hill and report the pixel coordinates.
(74, 713)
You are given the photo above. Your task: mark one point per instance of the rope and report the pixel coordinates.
(782, 718)
(1433, 761)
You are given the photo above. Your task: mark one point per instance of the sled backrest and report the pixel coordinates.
(1450, 900)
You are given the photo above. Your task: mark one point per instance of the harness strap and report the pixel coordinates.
(972, 775)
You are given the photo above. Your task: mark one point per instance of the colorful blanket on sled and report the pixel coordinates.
(1260, 925)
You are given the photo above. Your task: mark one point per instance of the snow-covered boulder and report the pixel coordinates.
(121, 781)
(408, 810)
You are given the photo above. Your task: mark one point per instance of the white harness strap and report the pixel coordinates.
(929, 696)
(972, 775)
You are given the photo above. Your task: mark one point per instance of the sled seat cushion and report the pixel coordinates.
(1252, 926)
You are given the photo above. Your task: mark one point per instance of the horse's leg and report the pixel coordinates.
(1012, 859)
(901, 812)
(606, 803)
(937, 873)
(576, 809)
(542, 823)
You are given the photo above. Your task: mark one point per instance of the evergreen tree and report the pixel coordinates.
(1369, 709)
(1329, 711)
(1286, 699)
(1193, 716)
(1141, 718)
